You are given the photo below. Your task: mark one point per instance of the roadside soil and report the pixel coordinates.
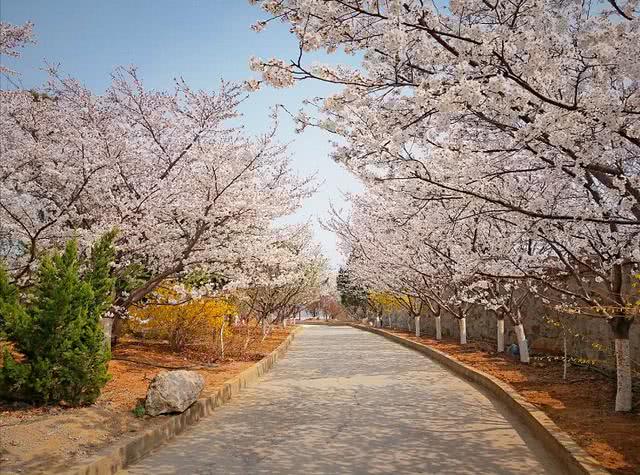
(53, 438)
(581, 405)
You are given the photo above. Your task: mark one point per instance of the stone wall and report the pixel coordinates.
(587, 337)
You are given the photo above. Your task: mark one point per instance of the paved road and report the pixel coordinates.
(348, 401)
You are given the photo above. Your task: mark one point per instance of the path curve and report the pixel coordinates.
(348, 401)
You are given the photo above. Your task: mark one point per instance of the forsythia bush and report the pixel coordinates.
(57, 336)
(385, 302)
(198, 320)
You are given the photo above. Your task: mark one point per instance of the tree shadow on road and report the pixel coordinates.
(345, 401)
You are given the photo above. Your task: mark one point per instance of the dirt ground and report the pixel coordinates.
(52, 438)
(581, 405)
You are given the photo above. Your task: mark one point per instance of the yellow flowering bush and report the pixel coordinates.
(384, 302)
(183, 323)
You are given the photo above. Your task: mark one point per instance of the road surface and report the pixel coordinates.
(348, 401)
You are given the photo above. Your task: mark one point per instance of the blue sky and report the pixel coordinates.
(202, 41)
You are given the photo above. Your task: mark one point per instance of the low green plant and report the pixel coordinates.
(58, 347)
(139, 410)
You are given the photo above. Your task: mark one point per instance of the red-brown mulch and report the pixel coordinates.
(45, 439)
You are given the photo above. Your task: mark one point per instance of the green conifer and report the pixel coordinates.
(57, 332)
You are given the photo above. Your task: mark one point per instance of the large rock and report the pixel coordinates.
(173, 391)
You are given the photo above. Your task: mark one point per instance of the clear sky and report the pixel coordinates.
(200, 40)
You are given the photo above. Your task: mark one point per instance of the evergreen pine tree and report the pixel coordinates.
(58, 333)
(98, 274)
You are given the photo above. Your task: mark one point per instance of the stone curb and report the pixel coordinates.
(327, 324)
(573, 457)
(127, 453)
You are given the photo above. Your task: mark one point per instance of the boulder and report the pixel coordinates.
(173, 391)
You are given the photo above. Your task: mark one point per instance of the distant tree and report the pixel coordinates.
(352, 296)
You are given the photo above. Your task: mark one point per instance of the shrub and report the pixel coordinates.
(181, 324)
(59, 352)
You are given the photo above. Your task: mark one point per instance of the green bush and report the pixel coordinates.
(55, 328)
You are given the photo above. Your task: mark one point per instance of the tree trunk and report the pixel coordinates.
(247, 336)
(246, 339)
(116, 329)
(623, 372)
(418, 326)
(107, 325)
(621, 326)
(462, 324)
(522, 343)
(500, 325)
(564, 350)
(438, 328)
(222, 339)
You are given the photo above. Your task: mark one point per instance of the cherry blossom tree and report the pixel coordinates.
(390, 251)
(280, 281)
(12, 38)
(184, 189)
(460, 261)
(526, 113)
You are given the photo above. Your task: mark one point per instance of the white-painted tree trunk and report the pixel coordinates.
(438, 328)
(222, 339)
(462, 323)
(107, 327)
(522, 343)
(623, 371)
(418, 325)
(247, 337)
(500, 335)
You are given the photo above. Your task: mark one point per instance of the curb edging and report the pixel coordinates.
(133, 450)
(330, 323)
(573, 457)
